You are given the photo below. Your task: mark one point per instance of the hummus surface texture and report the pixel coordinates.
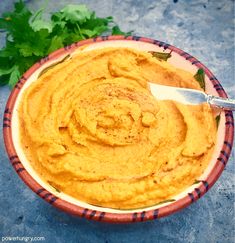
(91, 128)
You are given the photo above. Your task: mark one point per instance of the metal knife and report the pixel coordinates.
(190, 96)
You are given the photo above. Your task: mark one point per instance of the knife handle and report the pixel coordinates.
(222, 103)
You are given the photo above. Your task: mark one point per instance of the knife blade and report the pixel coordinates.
(189, 96)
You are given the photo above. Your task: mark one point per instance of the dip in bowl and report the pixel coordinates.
(87, 135)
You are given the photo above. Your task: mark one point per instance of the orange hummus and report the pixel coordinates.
(91, 128)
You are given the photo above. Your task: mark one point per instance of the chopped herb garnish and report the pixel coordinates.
(196, 182)
(200, 77)
(162, 56)
(217, 119)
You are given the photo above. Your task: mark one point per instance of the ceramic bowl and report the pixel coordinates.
(68, 204)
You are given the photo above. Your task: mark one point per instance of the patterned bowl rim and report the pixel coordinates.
(199, 190)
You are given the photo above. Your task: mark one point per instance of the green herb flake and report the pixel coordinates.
(200, 77)
(196, 182)
(116, 31)
(162, 56)
(217, 119)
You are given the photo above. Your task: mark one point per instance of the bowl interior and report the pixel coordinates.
(176, 60)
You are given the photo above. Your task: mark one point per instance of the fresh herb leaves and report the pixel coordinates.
(196, 182)
(162, 56)
(217, 119)
(200, 77)
(29, 37)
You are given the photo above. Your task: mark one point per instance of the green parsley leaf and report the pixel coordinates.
(14, 77)
(196, 182)
(41, 24)
(4, 79)
(200, 77)
(8, 51)
(88, 33)
(24, 49)
(20, 7)
(116, 31)
(162, 56)
(76, 13)
(6, 71)
(56, 43)
(217, 119)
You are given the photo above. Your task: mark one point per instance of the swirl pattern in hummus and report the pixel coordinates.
(91, 128)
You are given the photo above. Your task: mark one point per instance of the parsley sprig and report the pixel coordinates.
(29, 37)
